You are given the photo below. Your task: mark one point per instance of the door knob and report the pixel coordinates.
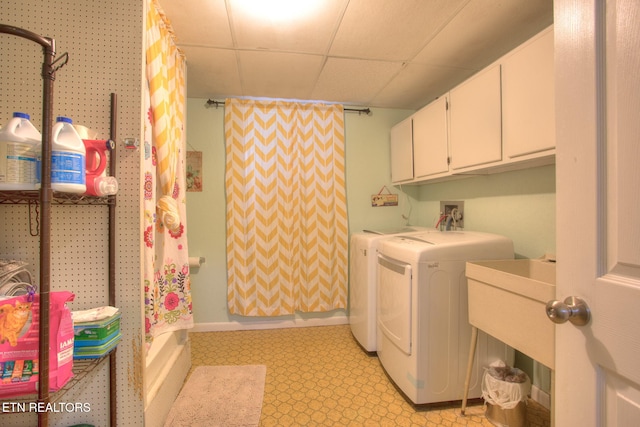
(573, 309)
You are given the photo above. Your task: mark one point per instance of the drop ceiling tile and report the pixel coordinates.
(199, 22)
(485, 30)
(418, 85)
(279, 75)
(212, 73)
(311, 34)
(353, 81)
(390, 30)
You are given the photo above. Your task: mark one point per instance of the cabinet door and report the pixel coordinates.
(430, 151)
(402, 151)
(475, 113)
(528, 98)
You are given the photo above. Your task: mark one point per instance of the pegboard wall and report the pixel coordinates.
(104, 41)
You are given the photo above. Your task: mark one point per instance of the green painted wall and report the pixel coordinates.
(518, 204)
(206, 213)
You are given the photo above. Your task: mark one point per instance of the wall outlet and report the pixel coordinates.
(448, 207)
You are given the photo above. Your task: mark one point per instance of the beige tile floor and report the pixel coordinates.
(319, 376)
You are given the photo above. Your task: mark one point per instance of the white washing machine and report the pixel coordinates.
(423, 332)
(362, 282)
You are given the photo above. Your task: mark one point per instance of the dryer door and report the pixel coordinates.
(394, 301)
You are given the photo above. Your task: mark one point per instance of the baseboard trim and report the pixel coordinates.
(541, 397)
(268, 324)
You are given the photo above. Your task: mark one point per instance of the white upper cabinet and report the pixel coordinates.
(430, 141)
(402, 152)
(528, 112)
(475, 114)
(500, 119)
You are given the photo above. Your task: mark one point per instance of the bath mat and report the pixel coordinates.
(229, 396)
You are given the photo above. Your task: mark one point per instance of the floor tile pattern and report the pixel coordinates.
(319, 376)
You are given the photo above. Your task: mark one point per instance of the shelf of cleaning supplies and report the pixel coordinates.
(81, 369)
(26, 197)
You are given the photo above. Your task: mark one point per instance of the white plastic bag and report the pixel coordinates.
(15, 279)
(505, 387)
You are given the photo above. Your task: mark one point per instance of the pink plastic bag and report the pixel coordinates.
(19, 320)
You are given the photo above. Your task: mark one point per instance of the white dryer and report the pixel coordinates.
(362, 281)
(423, 332)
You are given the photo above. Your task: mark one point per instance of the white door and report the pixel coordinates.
(597, 377)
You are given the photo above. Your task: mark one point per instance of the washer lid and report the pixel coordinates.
(398, 230)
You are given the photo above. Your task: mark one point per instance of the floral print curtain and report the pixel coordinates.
(167, 284)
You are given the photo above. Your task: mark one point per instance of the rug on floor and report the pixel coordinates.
(220, 396)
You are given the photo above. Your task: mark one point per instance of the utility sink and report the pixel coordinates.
(507, 300)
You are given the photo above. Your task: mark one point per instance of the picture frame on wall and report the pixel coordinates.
(194, 171)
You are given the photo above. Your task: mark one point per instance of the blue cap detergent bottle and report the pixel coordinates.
(68, 168)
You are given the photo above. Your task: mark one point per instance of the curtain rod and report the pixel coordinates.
(360, 111)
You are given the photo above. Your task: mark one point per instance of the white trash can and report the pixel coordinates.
(505, 391)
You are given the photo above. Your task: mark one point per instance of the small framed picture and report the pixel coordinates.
(387, 199)
(194, 171)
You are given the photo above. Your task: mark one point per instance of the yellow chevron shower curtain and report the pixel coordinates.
(287, 232)
(166, 266)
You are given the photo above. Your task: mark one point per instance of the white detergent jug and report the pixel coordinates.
(68, 169)
(20, 144)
